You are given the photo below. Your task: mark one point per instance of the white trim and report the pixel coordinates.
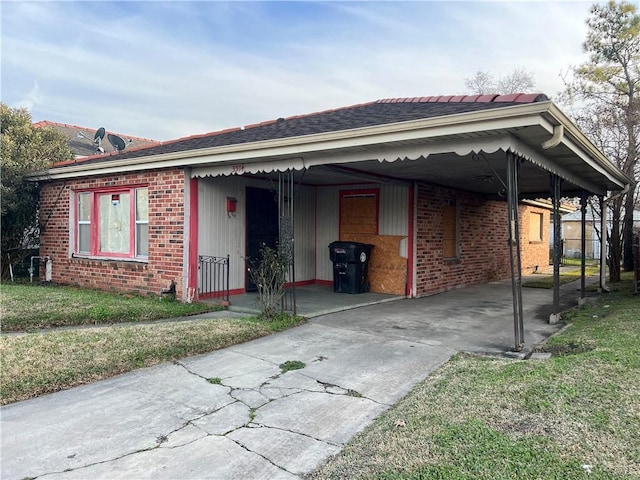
(523, 150)
(317, 149)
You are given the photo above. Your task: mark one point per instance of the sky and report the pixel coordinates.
(163, 70)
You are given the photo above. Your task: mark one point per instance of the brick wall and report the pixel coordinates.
(483, 254)
(166, 235)
(535, 254)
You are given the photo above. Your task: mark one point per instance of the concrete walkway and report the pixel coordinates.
(171, 422)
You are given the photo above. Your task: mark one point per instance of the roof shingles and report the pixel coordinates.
(381, 112)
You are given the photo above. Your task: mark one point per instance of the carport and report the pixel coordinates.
(443, 182)
(508, 148)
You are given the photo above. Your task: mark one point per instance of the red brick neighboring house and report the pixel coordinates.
(422, 179)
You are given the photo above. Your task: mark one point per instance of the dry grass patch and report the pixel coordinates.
(38, 363)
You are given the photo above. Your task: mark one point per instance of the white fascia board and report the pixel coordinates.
(578, 143)
(534, 157)
(484, 120)
(386, 153)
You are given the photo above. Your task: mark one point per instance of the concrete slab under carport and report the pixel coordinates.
(314, 300)
(170, 421)
(477, 318)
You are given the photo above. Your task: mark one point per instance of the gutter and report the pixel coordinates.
(570, 129)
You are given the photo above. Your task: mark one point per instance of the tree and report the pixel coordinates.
(610, 81)
(603, 124)
(23, 149)
(517, 81)
(481, 83)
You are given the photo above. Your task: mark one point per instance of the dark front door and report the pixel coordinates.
(262, 226)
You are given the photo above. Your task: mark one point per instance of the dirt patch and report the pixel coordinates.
(571, 348)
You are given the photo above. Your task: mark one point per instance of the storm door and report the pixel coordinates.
(262, 226)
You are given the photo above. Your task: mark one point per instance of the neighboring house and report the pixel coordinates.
(425, 180)
(537, 224)
(81, 139)
(572, 233)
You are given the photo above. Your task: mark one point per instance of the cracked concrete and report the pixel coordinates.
(171, 421)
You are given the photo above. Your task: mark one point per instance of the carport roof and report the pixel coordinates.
(372, 137)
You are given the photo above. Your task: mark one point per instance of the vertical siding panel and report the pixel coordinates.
(316, 223)
(304, 213)
(327, 207)
(394, 210)
(219, 234)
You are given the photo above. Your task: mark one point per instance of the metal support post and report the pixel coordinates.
(556, 183)
(513, 167)
(286, 194)
(583, 246)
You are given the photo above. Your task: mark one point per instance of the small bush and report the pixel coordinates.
(269, 275)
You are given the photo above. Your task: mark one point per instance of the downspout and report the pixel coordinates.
(554, 141)
(604, 234)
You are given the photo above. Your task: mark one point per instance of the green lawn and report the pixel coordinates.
(566, 276)
(37, 362)
(574, 416)
(28, 307)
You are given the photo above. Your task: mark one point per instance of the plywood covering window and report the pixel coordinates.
(535, 227)
(358, 214)
(450, 229)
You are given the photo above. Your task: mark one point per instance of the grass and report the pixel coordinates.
(291, 365)
(28, 307)
(35, 363)
(574, 416)
(546, 281)
(576, 262)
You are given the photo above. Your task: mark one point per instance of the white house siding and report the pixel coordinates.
(305, 233)
(394, 210)
(220, 234)
(327, 226)
(392, 220)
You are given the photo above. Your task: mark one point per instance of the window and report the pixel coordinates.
(358, 214)
(535, 227)
(113, 223)
(450, 229)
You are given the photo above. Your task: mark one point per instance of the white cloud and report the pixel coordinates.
(31, 98)
(170, 69)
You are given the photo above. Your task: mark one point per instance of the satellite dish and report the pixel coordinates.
(97, 138)
(117, 142)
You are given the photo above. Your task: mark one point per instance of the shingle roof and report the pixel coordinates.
(80, 139)
(381, 112)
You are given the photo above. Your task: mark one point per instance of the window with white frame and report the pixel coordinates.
(113, 223)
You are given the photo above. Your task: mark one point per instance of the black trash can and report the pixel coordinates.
(350, 265)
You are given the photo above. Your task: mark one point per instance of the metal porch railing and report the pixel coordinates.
(214, 277)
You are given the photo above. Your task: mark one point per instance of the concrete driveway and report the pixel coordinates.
(171, 422)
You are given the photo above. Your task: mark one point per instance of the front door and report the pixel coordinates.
(262, 226)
